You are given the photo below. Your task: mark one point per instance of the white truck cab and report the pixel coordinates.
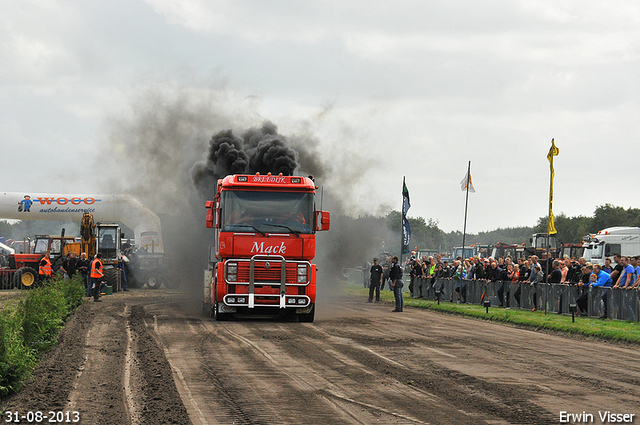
(621, 240)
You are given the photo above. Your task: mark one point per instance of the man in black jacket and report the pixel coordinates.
(395, 275)
(375, 280)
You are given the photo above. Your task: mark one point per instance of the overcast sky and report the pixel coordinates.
(389, 88)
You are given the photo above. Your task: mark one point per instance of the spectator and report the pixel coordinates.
(534, 264)
(564, 269)
(537, 278)
(496, 276)
(617, 270)
(556, 274)
(636, 284)
(575, 271)
(439, 275)
(607, 268)
(583, 298)
(626, 276)
(602, 279)
(555, 277)
(415, 271)
(524, 270)
(633, 261)
(523, 277)
(461, 288)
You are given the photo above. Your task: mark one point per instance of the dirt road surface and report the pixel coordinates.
(151, 357)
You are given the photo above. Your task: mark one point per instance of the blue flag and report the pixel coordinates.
(406, 229)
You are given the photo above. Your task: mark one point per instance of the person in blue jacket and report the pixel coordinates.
(598, 277)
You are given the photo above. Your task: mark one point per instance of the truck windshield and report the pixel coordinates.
(107, 242)
(596, 252)
(267, 212)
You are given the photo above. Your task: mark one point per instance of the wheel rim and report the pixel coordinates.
(27, 279)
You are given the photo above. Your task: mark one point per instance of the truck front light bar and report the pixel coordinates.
(271, 300)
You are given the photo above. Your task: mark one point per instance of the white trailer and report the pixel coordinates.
(105, 208)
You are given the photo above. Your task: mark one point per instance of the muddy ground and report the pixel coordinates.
(151, 357)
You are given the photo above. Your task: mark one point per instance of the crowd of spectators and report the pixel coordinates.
(424, 272)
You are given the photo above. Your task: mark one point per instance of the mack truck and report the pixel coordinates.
(264, 240)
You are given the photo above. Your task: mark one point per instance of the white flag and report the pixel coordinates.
(467, 181)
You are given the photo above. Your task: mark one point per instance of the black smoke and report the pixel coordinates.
(258, 150)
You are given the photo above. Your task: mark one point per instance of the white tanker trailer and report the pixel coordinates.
(105, 208)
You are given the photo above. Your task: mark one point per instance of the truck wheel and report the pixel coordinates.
(153, 281)
(171, 283)
(215, 313)
(308, 317)
(113, 279)
(217, 316)
(25, 278)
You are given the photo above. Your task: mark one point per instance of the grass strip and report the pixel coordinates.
(30, 325)
(612, 330)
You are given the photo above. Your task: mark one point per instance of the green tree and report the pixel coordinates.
(425, 234)
(609, 216)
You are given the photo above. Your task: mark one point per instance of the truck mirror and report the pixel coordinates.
(213, 216)
(209, 219)
(323, 220)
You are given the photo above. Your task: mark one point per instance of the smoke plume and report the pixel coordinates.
(259, 150)
(172, 148)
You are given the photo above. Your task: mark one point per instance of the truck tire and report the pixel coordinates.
(217, 316)
(308, 317)
(114, 279)
(153, 281)
(25, 278)
(171, 283)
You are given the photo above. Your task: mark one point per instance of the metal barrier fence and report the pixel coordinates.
(6, 280)
(620, 304)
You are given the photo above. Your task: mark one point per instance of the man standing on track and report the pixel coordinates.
(375, 280)
(395, 275)
(96, 277)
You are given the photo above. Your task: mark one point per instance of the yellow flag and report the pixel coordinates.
(554, 151)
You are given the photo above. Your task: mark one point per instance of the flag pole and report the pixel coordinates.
(402, 225)
(546, 301)
(466, 204)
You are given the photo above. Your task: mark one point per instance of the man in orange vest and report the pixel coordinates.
(45, 269)
(96, 277)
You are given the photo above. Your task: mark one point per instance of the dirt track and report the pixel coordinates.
(148, 357)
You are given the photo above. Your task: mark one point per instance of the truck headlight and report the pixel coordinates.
(232, 272)
(302, 273)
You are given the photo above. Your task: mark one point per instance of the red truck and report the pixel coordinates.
(264, 241)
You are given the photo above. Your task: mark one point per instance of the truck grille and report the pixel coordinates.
(268, 272)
